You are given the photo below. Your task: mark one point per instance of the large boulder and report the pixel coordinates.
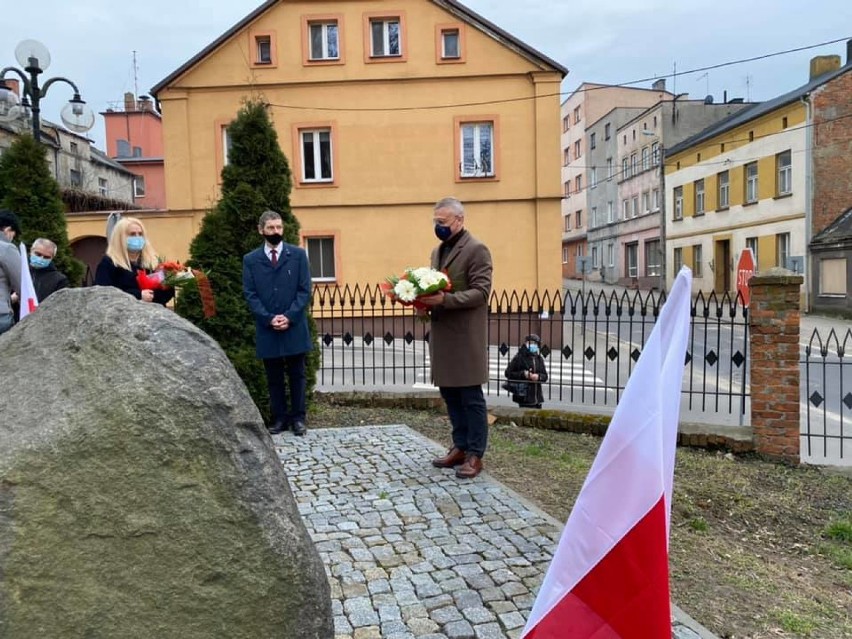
(140, 495)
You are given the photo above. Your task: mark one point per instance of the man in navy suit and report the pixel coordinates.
(277, 287)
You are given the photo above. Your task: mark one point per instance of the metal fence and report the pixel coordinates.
(590, 343)
(826, 398)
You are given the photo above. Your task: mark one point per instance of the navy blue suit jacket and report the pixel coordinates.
(284, 289)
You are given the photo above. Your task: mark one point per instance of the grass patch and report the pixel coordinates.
(840, 530)
(699, 524)
(791, 622)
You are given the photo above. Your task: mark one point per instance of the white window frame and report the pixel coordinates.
(610, 254)
(646, 202)
(678, 203)
(678, 259)
(699, 197)
(632, 265)
(724, 189)
(474, 164)
(592, 141)
(610, 212)
(625, 169)
(655, 152)
(324, 53)
(634, 203)
(385, 43)
(323, 277)
(138, 186)
(595, 257)
(655, 200)
(316, 143)
(785, 173)
(634, 163)
(445, 35)
(103, 186)
(698, 260)
(625, 209)
(263, 44)
(564, 254)
(782, 249)
(593, 177)
(653, 258)
(646, 159)
(226, 146)
(752, 193)
(609, 168)
(752, 243)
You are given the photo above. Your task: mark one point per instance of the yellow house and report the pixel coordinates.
(382, 108)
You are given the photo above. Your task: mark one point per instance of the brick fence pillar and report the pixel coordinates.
(774, 343)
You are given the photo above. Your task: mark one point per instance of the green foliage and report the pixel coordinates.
(257, 178)
(28, 189)
(840, 530)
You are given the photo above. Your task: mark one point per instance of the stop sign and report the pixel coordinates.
(745, 270)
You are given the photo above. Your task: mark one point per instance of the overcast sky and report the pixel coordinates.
(610, 41)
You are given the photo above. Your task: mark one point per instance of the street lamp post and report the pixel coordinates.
(34, 57)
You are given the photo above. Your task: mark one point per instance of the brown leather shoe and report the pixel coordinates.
(471, 467)
(454, 457)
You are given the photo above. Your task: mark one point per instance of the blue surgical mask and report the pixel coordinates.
(37, 261)
(442, 232)
(532, 348)
(135, 243)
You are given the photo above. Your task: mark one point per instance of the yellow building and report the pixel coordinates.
(739, 184)
(382, 108)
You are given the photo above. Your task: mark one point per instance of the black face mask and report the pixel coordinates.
(274, 239)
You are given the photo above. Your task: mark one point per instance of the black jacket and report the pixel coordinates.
(46, 281)
(108, 274)
(522, 362)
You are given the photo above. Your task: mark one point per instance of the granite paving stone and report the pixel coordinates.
(411, 551)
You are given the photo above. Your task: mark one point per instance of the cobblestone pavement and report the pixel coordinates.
(410, 550)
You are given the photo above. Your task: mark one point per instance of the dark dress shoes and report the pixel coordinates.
(471, 467)
(299, 428)
(277, 428)
(454, 457)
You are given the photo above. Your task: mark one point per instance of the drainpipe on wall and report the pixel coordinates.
(809, 197)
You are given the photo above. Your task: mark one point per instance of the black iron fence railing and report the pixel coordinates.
(826, 397)
(590, 343)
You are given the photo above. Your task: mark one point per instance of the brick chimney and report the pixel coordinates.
(822, 64)
(129, 102)
(13, 85)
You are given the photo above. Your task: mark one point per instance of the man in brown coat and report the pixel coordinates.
(458, 343)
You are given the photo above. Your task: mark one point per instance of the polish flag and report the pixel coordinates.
(29, 301)
(609, 578)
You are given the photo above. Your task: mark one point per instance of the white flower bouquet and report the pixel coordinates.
(415, 283)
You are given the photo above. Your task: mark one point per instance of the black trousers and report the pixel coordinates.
(468, 416)
(294, 367)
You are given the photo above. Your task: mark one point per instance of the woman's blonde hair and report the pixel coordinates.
(117, 246)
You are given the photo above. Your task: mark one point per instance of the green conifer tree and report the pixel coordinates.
(28, 189)
(256, 178)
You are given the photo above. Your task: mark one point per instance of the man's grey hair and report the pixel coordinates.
(43, 241)
(451, 203)
(266, 216)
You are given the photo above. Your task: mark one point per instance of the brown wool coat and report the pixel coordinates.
(458, 343)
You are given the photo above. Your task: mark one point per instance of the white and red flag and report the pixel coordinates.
(609, 578)
(29, 301)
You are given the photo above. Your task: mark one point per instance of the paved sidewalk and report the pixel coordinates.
(410, 550)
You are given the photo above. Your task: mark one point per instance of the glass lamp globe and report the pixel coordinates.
(77, 116)
(32, 53)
